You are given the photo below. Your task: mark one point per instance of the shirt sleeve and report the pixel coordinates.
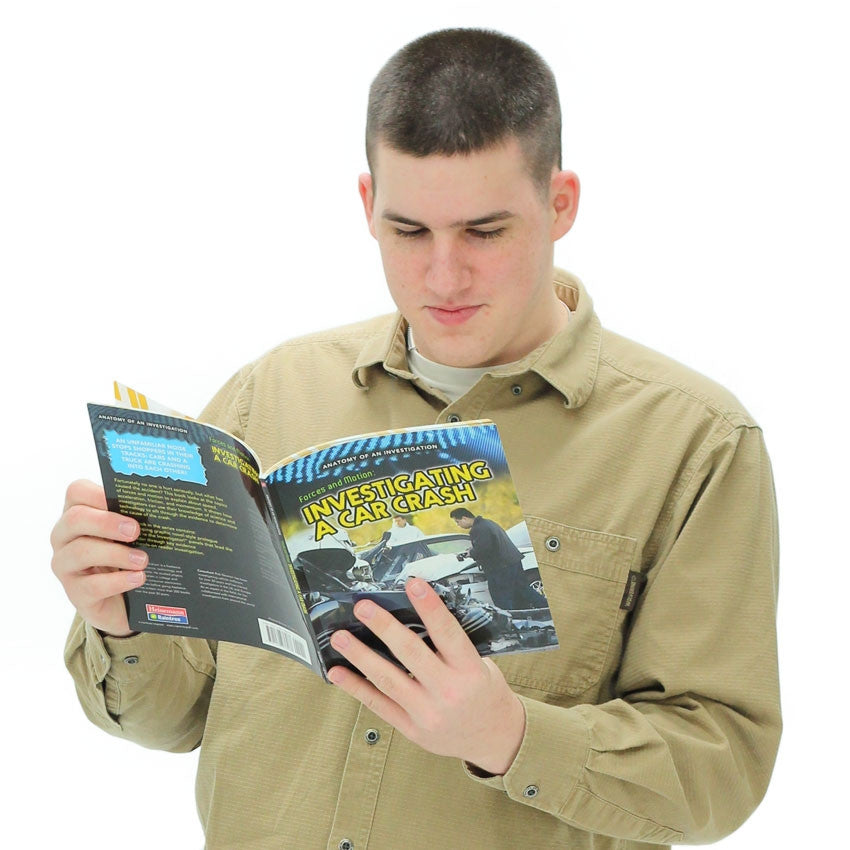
(151, 689)
(684, 751)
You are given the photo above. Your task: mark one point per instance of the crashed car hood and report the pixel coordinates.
(435, 567)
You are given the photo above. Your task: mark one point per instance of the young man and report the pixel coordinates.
(648, 495)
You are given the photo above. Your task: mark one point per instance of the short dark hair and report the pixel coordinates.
(456, 91)
(457, 513)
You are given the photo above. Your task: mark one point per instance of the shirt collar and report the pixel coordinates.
(568, 362)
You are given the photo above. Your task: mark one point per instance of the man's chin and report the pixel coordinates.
(456, 356)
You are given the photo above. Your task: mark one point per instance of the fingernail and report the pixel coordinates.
(128, 529)
(335, 675)
(340, 640)
(364, 610)
(417, 588)
(137, 578)
(138, 558)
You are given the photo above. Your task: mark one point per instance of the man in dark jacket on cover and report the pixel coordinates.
(500, 560)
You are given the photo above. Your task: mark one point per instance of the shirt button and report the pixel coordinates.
(552, 544)
(372, 736)
(516, 389)
(131, 659)
(531, 791)
(346, 844)
(453, 417)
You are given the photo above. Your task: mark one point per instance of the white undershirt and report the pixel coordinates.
(452, 381)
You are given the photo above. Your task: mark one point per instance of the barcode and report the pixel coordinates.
(277, 636)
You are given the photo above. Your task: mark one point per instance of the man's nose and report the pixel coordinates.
(448, 274)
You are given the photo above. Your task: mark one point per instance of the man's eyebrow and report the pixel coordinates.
(499, 215)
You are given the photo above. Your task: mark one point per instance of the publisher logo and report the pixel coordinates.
(167, 614)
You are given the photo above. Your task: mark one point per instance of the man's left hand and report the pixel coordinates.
(454, 703)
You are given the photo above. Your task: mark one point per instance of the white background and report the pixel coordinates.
(178, 193)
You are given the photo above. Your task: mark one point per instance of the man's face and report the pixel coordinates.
(467, 248)
(465, 522)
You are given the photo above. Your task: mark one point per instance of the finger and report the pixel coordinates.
(81, 520)
(451, 641)
(85, 492)
(377, 702)
(87, 591)
(404, 643)
(85, 554)
(387, 677)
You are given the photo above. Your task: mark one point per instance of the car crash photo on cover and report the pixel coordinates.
(361, 518)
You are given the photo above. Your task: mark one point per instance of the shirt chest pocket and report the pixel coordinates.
(584, 575)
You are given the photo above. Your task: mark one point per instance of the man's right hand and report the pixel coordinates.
(92, 558)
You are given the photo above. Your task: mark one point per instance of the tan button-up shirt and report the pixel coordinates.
(657, 724)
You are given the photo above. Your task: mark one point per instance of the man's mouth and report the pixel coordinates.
(453, 315)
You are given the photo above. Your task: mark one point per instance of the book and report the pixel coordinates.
(277, 558)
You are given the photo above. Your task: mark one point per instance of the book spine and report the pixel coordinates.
(286, 564)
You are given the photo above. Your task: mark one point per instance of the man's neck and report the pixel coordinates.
(455, 381)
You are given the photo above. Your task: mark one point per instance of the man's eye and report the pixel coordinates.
(487, 234)
(409, 234)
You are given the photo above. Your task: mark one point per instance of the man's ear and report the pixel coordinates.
(364, 185)
(564, 192)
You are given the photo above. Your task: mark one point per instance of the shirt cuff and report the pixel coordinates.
(550, 760)
(123, 657)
